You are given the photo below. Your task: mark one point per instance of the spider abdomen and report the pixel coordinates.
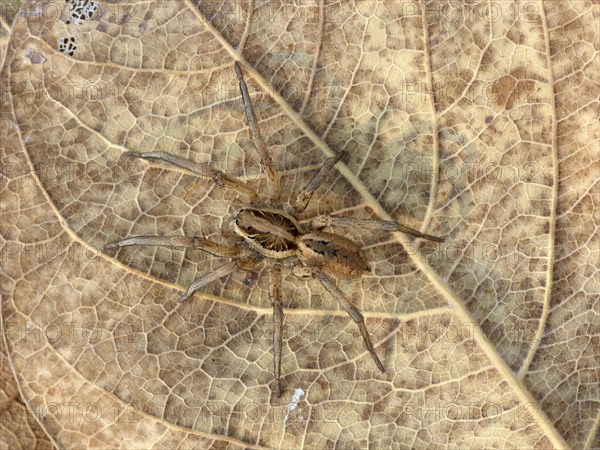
(332, 253)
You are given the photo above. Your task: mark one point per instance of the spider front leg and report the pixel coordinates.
(384, 225)
(221, 272)
(275, 293)
(352, 311)
(266, 162)
(202, 170)
(227, 251)
(243, 260)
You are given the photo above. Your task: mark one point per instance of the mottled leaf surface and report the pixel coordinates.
(18, 426)
(477, 122)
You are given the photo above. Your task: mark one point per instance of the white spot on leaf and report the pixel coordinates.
(298, 393)
(33, 57)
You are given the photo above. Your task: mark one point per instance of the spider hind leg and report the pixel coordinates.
(369, 224)
(275, 294)
(353, 312)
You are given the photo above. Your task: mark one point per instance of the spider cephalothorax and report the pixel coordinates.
(272, 237)
(271, 232)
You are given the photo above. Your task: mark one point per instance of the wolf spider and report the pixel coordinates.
(269, 235)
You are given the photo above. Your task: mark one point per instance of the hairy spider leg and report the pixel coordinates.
(227, 251)
(221, 272)
(204, 171)
(352, 311)
(384, 225)
(307, 192)
(245, 260)
(275, 294)
(266, 162)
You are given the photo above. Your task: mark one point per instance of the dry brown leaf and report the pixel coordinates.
(474, 121)
(18, 426)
